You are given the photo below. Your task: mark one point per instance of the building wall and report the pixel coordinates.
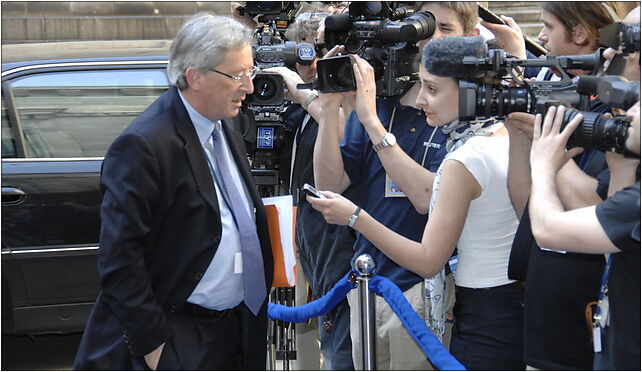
(37, 21)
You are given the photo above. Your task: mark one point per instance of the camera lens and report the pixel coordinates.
(335, 74)
(598, 132)
(264, 88)
(342, 77)
(485, 100)
(631, 37)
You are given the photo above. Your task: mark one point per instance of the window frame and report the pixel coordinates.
(52, 67)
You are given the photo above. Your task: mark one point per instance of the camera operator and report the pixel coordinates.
(556, 334)
(469, 208)
(324, 250)
(611, 227)
(395, 182)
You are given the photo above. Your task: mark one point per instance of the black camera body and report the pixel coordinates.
(496, 100)
(262, 111)
(615, 91)
(508, 93)
(599, 132)
(387, 39)
(619, 34)
(500, 99)
(335, 74)
(270, 10)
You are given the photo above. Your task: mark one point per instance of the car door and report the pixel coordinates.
(57, 124)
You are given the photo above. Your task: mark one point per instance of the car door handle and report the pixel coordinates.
(12, 195)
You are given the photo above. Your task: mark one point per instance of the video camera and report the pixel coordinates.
(598, 131)
(387, 39)
(263, 109)
(618, 34)
(468, 57)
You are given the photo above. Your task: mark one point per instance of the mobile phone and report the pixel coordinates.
(310, 190)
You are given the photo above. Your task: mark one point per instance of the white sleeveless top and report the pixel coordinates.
(485, 242)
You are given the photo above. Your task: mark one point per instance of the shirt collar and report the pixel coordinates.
(204, 126)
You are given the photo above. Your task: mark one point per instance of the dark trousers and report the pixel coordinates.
(488, 329)
(334, 336)
(235, 341)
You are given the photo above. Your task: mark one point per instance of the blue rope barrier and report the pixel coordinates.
(427, 342)
(415, 325)
(321, 306)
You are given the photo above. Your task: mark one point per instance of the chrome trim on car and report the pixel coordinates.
(77, 64)
(47, 250)
(22, 160)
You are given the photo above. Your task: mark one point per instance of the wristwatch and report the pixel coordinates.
(389, 140)
(308, 100)
(353, 218)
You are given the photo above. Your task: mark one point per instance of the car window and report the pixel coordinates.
(79, 113)
(8, 143)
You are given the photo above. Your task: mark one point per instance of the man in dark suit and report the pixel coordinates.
(184, 259)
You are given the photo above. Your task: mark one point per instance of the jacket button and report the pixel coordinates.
(172, 309)
(198, 276)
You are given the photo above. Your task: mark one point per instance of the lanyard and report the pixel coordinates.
(295, 144)
(427, 144)
(600, 318)
(605, 279)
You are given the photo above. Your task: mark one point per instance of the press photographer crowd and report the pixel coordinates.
(493, 178)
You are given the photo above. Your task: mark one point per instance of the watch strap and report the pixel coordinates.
(353, 218)
(381, 145)
(308, 100)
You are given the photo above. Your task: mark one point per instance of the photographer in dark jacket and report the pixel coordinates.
(560, 286)
(324, 250)
(611, 227)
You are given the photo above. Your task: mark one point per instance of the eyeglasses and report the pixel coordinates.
(251, 74)
(305, 16)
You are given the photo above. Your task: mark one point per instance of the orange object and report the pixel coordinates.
(280, 277)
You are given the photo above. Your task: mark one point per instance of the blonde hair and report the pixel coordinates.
(466, 12)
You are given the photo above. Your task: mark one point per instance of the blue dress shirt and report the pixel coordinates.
(221, 287)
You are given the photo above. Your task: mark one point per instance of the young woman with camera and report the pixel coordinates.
(469, 209)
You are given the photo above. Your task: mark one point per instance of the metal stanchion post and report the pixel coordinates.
(365, 266)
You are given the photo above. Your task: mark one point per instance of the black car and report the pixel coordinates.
(59, 117)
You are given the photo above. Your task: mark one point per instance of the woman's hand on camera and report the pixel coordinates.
(335, 209)
(548, 152)
(366, 97)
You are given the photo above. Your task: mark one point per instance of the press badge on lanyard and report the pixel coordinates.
(392, 190)
(601, 316)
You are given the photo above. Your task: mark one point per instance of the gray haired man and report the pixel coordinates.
(184, 258)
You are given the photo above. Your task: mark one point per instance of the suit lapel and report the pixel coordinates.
(195, 153)
(235, 141)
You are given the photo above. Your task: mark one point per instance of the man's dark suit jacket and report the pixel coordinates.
(160, 230)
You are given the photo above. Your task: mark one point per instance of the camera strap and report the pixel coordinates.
(391, 190)
(297, 139)
(601, 316)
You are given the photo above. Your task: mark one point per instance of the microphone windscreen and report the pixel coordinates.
(444, 56)
(338, 22)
